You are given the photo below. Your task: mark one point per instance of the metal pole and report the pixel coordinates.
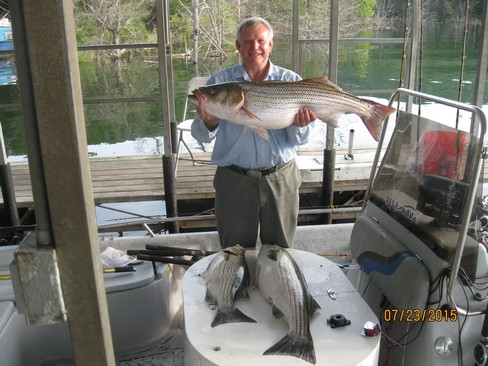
(479, 87)
(43, 220)
(7, 185)
(350, 153)
(295, 39)
(414, 45)
(167, 105)
(328, 174)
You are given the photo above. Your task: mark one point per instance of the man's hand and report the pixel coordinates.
(210, 121)
(303, 117)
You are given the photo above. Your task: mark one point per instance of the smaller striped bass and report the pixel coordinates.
(227, 279)
(282, 283)
(274, 104)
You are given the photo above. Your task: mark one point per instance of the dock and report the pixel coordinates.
(140, 178)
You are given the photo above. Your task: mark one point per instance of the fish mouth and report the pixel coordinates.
(197, 93)
(197, 97)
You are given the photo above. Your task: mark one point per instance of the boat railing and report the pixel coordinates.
(477, 151)
(142, 223)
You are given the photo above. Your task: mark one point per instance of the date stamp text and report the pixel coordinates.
(419, 315)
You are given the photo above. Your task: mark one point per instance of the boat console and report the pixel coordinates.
(419, 244)
(423, 183)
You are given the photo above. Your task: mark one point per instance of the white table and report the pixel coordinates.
(244, 343)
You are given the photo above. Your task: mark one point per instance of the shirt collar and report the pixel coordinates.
(240, 73)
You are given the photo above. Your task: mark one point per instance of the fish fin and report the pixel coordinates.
(232, 315)
(374, 120)
(242, 294)
(243, 108)
(260, 131)
(293, 345)
(240, 105)
(273, 253)
(210, 299)
(322, 80)
(331, 120)
(277, 313)
(313, 306)
(236, 250)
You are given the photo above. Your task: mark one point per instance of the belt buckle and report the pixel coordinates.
(254, 173)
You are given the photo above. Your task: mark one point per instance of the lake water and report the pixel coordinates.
(135, 127)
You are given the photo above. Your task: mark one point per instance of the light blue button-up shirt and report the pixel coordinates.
(238, 145)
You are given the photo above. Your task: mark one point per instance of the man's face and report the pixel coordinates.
(255, 45)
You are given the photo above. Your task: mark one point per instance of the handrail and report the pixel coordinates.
(479, 151)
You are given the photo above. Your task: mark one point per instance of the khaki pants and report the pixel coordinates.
(245, 204)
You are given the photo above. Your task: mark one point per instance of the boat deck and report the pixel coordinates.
(140, 178)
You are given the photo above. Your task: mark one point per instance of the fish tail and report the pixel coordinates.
(232, 315)
(293, 345)
(374, 119)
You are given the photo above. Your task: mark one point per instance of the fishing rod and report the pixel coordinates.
(169, 251)
(165, 259)
(183, 250)
(163, 220)
(165, 254)
(6, 277)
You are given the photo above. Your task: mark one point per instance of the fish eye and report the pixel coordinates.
(212, 91)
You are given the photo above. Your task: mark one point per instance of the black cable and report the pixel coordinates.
(439, 281)
(472, 285)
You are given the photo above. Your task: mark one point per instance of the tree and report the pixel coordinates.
(119, 20)
(213, 22)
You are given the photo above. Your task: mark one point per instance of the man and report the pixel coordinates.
(257, 181)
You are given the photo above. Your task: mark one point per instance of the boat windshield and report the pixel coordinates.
(423, 180)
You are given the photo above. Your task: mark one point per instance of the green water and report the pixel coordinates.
(361, 67)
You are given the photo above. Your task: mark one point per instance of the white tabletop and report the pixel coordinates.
(244, 343)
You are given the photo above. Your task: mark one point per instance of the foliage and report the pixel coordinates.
(133, 21)
(365, 8)
(113, 22)
(181, 34)
(218, 19)
(86, 28)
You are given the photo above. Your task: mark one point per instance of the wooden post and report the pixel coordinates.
(49, 29)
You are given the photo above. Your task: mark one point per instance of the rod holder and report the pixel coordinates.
(349, 155)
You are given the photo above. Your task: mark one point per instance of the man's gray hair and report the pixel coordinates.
(252, 22)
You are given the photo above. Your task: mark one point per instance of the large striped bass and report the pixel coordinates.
(227, 279)
(282, 283)
(274, 104)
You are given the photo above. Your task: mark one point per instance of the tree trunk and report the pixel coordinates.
(196, 26)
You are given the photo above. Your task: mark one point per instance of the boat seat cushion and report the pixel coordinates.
(397, 272)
